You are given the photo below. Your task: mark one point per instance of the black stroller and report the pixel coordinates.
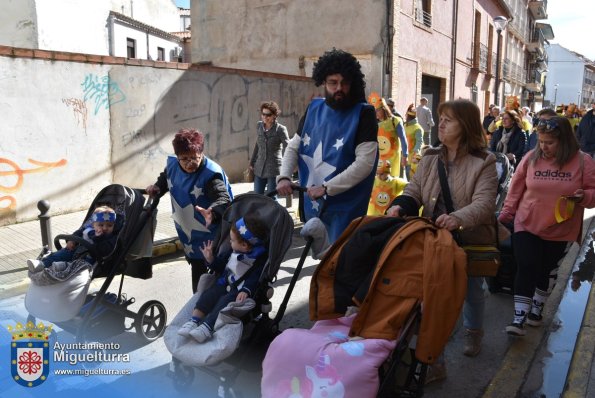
(100, 315)
(235, 345)
(503, 281)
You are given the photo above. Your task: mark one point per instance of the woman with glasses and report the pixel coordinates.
(271, 141)
(509, 138)
(468, 206)
(199, 192)
(549, 191)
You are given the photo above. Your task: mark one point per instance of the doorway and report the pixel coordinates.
(430, 88)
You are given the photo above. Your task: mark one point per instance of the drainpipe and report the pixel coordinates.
(386, 89)
(453, 57)
(148, 55)
(110, 33)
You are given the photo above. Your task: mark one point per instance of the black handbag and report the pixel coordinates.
(482, 260)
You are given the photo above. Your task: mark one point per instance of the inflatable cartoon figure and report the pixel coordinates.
(386, 188)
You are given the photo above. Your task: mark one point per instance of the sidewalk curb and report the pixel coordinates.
(516, 365)
(579, 371)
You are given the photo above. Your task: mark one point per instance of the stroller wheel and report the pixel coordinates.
(150, 320)
(183, 377)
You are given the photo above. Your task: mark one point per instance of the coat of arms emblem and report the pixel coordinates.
(30, 353)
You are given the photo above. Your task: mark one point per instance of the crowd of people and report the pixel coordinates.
(356, 158)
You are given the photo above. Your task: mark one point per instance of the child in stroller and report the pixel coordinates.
(98, 231)
(61, 296)
(239, 270)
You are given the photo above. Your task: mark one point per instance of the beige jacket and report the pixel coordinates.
(473, 183)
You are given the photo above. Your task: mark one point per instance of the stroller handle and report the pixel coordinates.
(294, 186)
(152, 201)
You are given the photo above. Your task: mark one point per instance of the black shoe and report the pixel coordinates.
(534, 319)
(516, 329)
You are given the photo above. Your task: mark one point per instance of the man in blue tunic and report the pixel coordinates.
(335, 148)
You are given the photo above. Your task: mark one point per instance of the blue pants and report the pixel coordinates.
(473, 308)
(213, 300)
(260, 183)
(61, 255)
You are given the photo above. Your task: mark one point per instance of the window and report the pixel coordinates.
(477, 41)
(130, 48)
(160, 54)
(423, 12)
(185, 22)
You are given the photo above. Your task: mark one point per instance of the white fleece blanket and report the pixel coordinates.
(226, 337)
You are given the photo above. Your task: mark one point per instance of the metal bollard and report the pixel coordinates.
(44, 221)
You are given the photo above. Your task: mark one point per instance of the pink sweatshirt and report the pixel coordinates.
(534, 190)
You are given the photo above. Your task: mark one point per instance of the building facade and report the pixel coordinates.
(408, 48)
(102, 27)
(571, 78)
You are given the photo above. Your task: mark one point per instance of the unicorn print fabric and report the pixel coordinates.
(326, 363)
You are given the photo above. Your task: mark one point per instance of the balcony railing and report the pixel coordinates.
(483, 57)
(533, 76)
(538, 8)
(423, 17)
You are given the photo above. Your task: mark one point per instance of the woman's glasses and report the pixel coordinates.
(188, 159)
(266, 114)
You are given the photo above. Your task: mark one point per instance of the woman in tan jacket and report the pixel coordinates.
(472, 180)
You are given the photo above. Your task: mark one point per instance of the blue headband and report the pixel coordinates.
(104, 216)
(246, 234)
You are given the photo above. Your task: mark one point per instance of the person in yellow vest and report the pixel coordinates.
(392, 143)
(414, 133)
(386, 188)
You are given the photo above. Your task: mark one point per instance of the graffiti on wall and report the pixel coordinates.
(227, 111)
(79, 107)
(11, 180)
(102, 90)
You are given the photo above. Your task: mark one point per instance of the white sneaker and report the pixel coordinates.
(201, 333)
(187, 328)
(34, 265)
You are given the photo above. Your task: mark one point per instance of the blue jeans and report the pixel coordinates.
(260, 183)
(61, 255)
(474, 304)
(213, 300)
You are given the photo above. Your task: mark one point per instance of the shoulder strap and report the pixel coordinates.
(444, 186)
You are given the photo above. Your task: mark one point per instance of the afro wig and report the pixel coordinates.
(339, 61)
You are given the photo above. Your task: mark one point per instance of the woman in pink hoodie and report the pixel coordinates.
(550, 189)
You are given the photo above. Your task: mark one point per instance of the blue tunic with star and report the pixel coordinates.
(186, 191)
(326, 149)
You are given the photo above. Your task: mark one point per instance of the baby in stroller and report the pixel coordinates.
(239, 270)
(98, 231)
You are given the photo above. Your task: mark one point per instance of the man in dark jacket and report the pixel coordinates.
(586, 132)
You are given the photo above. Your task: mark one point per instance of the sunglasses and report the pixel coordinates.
(547, 125)
(266, 114)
